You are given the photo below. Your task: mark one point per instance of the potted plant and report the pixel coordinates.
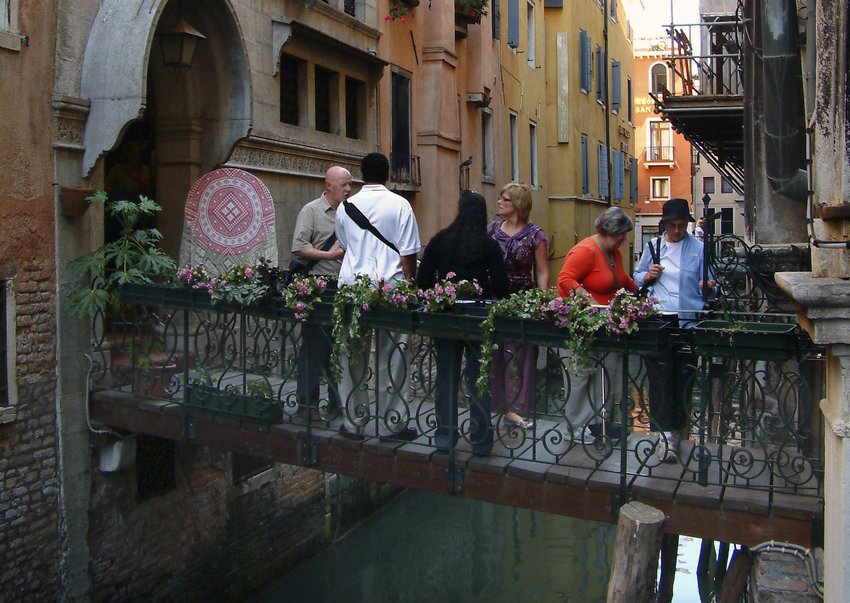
(399, 9)
(470, 11)
(750, 340)
(133, 257)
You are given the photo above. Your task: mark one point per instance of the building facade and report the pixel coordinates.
(590, 127)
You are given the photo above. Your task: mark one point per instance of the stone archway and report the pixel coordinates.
(196, 115)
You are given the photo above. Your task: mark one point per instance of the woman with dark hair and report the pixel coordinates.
(465, 249)
(525, 249)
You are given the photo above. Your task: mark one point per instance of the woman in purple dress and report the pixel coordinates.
(525, 249)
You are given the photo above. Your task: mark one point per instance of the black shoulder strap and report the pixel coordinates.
(364, 223)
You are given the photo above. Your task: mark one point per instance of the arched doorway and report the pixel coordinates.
(187, 120)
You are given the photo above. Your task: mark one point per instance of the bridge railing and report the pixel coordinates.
(751, 388)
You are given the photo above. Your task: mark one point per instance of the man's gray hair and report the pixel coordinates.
(614, 221)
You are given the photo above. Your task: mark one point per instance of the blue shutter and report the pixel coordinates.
(619, 175)
(615, 85)
(613, 9)
(588, 68)
(584, 79)
(600, 74)
(496, 10)
(603, 171)
(585, 166)
(513, 23)
(633, 180)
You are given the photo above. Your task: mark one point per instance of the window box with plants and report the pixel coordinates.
(255, 403)
(748, 340)
(470, 11)
(452, 310)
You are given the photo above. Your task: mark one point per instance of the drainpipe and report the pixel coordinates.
(784, 136)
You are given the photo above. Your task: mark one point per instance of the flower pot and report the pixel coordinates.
(233, 404)
(74, 201)
(466, 14)
(166, 296)
(528, 330)
(462, 323)
(152, 374)
(387, 319)
(747, 340)
(651, 336)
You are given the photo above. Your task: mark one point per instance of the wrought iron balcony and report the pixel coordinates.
(752, 395)
(659, 154)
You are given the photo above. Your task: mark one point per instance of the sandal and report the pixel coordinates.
(521, 422)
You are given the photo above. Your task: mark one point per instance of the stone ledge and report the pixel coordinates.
(8, 414)
(824, 305)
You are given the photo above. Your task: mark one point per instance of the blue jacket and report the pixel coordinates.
(690, 293)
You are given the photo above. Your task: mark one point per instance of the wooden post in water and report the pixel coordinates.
(639, 531)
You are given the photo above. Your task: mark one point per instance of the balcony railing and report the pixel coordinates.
(659, 154)
(753, 421)
(405, 170)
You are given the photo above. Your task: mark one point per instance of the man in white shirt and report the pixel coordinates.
(365, 253)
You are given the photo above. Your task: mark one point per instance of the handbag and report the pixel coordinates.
(298, 268)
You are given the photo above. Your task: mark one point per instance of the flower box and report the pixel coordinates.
(651, 336)
(233, 404)
(466, 14)
(166, 296)
(462, 323)
(748, 340)
(388, 319)
(529, 330)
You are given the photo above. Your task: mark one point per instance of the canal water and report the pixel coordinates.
(430, 548)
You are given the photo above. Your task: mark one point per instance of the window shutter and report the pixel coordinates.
(633, 181)
(496, 9)
(513, 23)
(582, 61)
(615, 85)
(585, 167)
(619, 175)
(603, 171)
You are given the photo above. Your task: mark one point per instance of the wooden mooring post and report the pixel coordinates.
(639, 532)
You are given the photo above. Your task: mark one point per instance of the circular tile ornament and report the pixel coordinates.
(230, 211)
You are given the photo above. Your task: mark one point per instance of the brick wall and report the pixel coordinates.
(29, 540)
(208, 539)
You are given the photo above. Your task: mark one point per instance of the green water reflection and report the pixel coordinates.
(430, 548)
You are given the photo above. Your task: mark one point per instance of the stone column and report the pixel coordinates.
(825, 313)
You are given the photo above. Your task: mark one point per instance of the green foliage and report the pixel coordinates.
(133, 257)
(479, 6)
(579, 319)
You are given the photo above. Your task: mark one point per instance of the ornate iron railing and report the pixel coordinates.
(753, 421)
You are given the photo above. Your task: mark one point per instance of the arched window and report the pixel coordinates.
(658, 78)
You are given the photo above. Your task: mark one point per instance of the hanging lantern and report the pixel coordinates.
(178, 45)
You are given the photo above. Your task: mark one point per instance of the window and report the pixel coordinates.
(9, 38)
(496, 21)
(585, 166)
(600, 75)
(243, 467)
(633, 180)
(615, 86)
(293, 76)
(647, 233)
(658, 79)
(618, 176)
(602, 157)
(514, 148)
(708, 185)
(532, 144)
(725, 185)
(355, 108)
(513, 23)
(660, 144)
(326, 99)
(401, 127)
(659, 188)
(613, 4)
(155, 467)
(8, 360)
(630, 112)
(488, 157)
(727, 220)
(585, 61)
(529, 25)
